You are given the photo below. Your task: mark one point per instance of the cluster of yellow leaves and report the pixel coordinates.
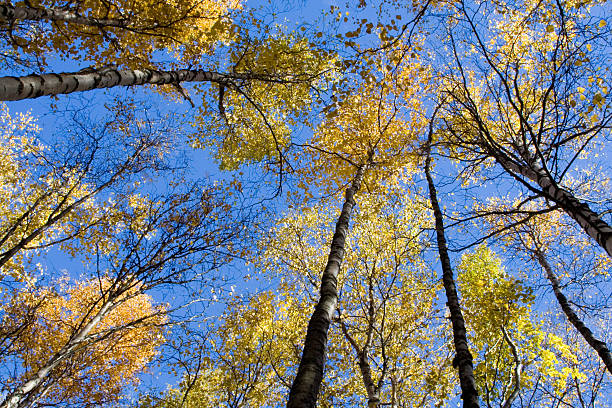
(251, 358)
(187, 28)
(560, 355)
(117, 349)
(495, 301)
(256, 122)
(377, 125)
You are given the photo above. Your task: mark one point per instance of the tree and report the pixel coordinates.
(132, 241)
(364, 138)
(34, 86)
(110, 354)
(532, 98)
(599, 346)
(310, 371)
(463, 360)
(52, 194)
(245, 364)
(532, 237)
(161, 243)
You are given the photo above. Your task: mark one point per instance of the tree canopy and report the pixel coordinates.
(236, 204)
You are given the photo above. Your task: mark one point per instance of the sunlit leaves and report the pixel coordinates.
(119, 346)
(387, 297)
(125, 33)
(499, 312)
(377, 124)
(251, 122)
(55, 195)
(532, 81)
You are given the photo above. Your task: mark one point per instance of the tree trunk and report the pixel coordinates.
(393, 392)
(368, 382)
(34, 86)
(599, 346)
(10, 13)
(364, 365)
(305, 388)
(463, 357)
(590, 222)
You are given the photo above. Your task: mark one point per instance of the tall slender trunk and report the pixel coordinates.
(463, 357)
(305, 388)
(599, 346)
(364, 367)
(590, 222)
(10, 13)
(368, 382)
(34, 86)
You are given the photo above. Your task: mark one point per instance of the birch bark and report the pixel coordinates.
(34, 86)
(590, 222)
(305, 388)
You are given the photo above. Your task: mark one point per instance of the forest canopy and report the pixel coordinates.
(306, 204)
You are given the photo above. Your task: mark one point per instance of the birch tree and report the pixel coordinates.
(532, 97)
(130, 240)
(535, 238)
(360, 142)
(85, 366)
(160, 243)
(463, 360)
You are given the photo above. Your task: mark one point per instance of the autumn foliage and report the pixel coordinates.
(381, 204)
(117, 349)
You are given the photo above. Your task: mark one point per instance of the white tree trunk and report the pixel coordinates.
(34, 86)
(590, 222)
